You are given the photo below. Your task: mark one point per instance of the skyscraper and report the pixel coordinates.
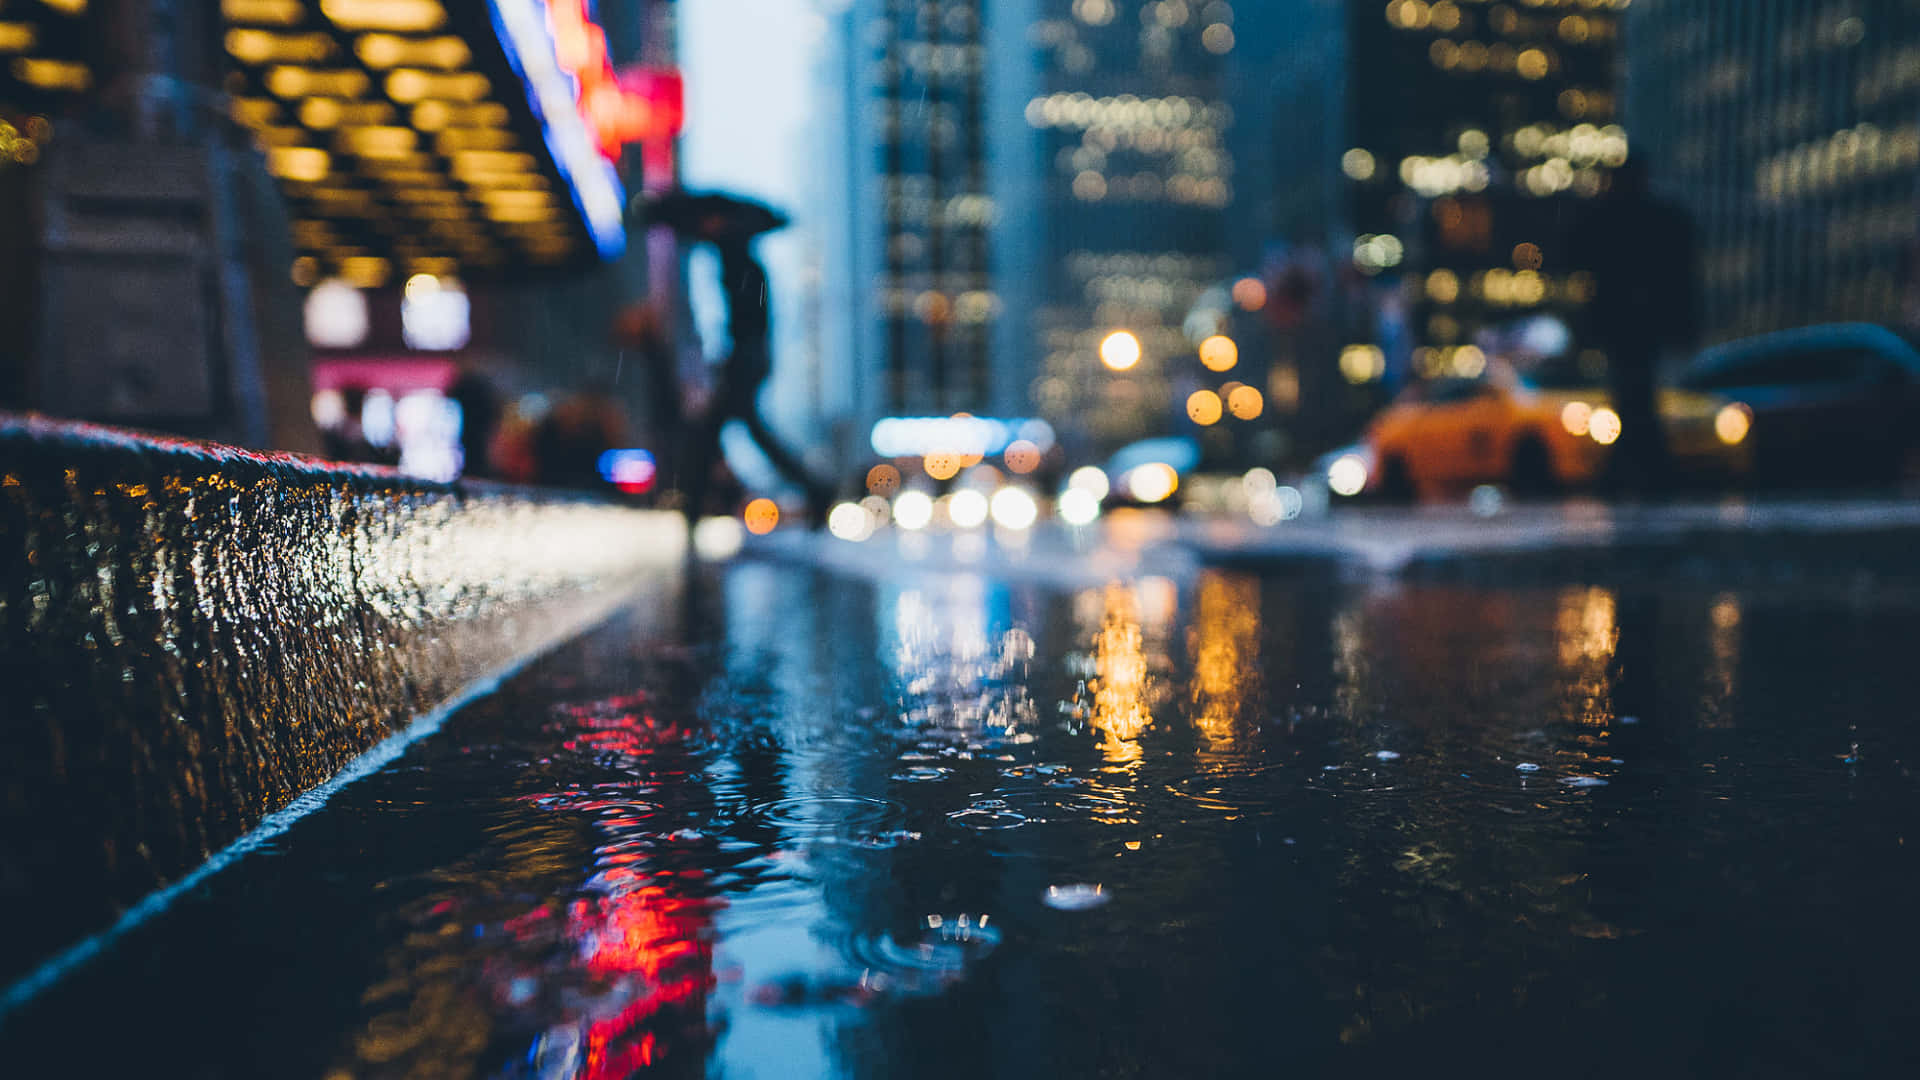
(1792, 131)
(1132, 175)
(1447, 144)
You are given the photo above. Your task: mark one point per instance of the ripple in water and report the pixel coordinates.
(814, 815)
(1234, 790)
(923, 773)
(939, 955)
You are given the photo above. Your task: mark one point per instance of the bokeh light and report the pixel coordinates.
(1014, 508)
(913, 510)
(760, 516)
(1090, 479)
(1576, 416)
(883, 480)
(944, 465)
(1203, 407)
(1250, 293)
(968, 508)
(1219, 353)
(1732, 423)
(717, 538)
(1153, 482)
(1347, 475)
(1246, 403)
(1022, 456)
(1078, 506)
(1604, 426)
(850, 521)
(1120, 350)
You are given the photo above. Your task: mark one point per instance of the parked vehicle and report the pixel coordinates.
(1448, 435)
(1836, 404)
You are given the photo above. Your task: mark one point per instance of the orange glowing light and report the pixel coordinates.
(1203, 407)
(1250, 293)
(1246, 403)
(943, 465)
(1022, 456)
(760, 516)
(1219, 353)
(883, 480)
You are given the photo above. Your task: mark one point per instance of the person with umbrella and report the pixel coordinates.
(731, 225)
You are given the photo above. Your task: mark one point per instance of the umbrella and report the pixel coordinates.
(707, 215)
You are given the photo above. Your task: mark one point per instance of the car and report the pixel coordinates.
(1831, 405)
(1447, 435)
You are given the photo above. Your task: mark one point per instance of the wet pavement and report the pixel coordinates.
(779, 822)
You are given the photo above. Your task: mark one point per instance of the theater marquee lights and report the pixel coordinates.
(414, 135)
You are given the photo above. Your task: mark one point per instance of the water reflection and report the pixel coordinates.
(1224, 646)
(962, 828)
(1120, 683)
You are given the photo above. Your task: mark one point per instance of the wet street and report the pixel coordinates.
(772, 822)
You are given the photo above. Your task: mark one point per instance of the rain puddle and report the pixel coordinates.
(789, 825)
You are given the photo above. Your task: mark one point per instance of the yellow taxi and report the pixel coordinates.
(1449, 435)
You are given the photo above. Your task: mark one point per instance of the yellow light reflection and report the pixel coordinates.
(1120, 709)
(1224, 645)
(1587, 626)
(67, 7)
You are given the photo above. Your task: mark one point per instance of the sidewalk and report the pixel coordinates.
(1850, 539)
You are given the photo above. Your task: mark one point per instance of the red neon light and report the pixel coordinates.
(637, 105)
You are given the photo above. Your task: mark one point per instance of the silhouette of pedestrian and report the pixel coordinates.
(1640, 252)
(479, 419)
(731, 225)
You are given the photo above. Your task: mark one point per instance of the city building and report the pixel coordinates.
(909, 182)
(1438, 150)
(190, 171)
(1792, 132)
(1130, 180)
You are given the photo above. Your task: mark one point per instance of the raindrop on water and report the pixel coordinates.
(1075, 897)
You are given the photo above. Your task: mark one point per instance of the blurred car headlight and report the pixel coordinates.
(1604, 426)
(1347, 474)
(1732, 423)
(1575, 416)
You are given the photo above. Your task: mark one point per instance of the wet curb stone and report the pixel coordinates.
(192, 635)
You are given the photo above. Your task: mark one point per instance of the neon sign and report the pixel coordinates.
(619, 108)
